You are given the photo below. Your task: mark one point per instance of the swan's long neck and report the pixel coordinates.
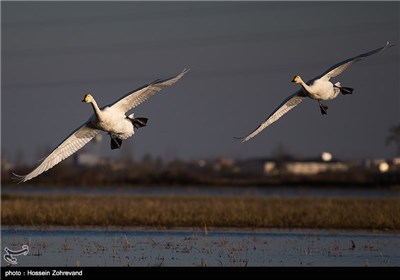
(304, 85)
(96, 108)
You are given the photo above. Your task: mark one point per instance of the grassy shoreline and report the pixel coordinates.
(196, 211)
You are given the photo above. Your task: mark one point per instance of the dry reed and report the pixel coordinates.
(197, 211)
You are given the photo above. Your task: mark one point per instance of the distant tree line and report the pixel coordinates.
(154, 171)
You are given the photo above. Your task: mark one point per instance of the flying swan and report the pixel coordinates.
(319, 88)
(111, 119)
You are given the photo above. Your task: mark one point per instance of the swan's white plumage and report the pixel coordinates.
(287, 105)
(76, 140)
(319, 88)
(138, 96)
(111, 119)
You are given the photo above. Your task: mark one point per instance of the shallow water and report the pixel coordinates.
(205, 190)
(194, 247)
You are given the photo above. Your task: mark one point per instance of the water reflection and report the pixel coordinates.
(205, 190)
(194, 247)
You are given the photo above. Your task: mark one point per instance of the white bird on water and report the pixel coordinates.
(111, 119)
(319, 88)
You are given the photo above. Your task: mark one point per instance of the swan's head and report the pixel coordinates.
(296, 79)
(88, 98)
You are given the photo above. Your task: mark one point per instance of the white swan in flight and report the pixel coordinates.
(319, 88)
(111, 119)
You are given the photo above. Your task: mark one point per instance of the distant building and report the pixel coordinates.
(396, 161)
(86, 159)
(294, 166)
(315, 167)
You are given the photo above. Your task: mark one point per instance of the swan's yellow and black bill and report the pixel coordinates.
(295, 79)
(86, 98)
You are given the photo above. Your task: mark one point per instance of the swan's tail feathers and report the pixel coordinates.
(139, 122)
(116, 143)
(346, 90)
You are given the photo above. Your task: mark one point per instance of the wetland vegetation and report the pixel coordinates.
(173, 211)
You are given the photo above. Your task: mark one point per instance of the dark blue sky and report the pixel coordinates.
(242, 58)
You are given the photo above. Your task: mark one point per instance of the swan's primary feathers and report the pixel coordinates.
(111, 119)
(319, 88)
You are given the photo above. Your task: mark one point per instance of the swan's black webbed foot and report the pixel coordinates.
(324, 108)
(116, 143)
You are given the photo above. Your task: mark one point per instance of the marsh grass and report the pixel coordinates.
(197, 211)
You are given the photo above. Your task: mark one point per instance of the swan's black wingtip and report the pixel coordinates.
(241, 139)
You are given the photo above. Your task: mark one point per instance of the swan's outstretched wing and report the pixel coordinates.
(287, 105)
(138, 96)
(338, 68)
(76, 140)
